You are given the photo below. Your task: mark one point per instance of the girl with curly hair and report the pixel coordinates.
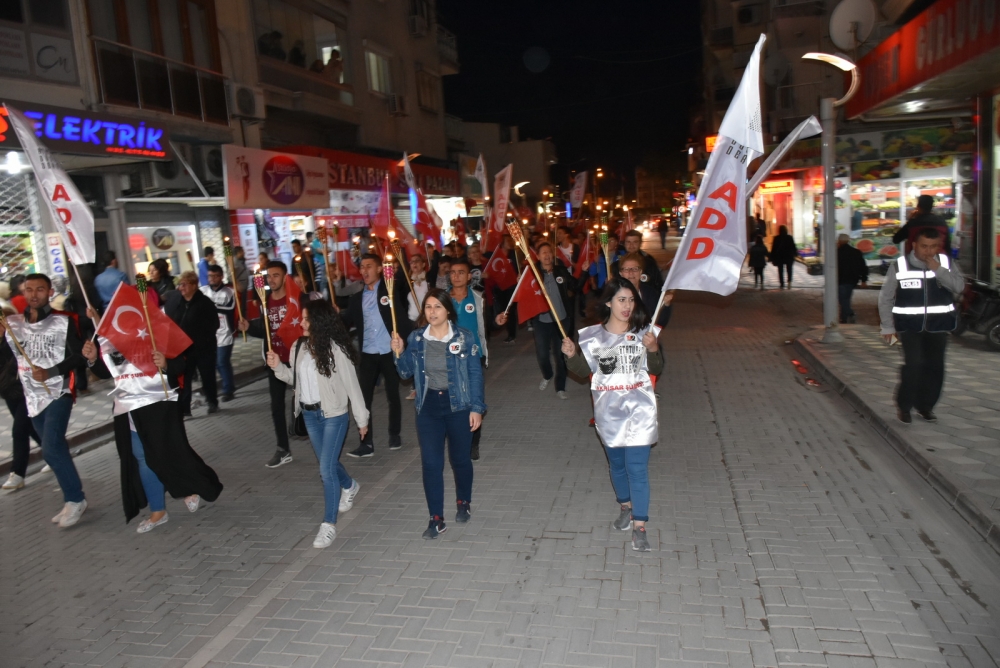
(322, 372)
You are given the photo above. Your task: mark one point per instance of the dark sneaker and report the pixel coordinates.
(363, 450)
(280, 457)
(639, 541)
(213, 409)
(928, 415)
(435, 528)
(509, 339)
(395, 443)
(226, 398)
(474, 453)
(464, 513)
(904, 417)
(624, 521)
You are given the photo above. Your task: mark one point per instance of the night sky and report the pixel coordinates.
(609, 82)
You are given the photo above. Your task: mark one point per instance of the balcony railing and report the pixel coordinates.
(447, 50)
(290, 77)
(136, 78)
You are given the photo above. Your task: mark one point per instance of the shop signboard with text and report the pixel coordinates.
(257, 179)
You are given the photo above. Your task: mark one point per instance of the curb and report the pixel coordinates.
(961, 499)
(94, 437)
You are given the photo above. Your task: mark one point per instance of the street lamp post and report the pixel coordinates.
(828, 119)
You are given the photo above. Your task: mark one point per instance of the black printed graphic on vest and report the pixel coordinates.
(620, 359)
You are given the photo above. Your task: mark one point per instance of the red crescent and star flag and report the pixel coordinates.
(124, 325)
(291, 325)
(529, 298)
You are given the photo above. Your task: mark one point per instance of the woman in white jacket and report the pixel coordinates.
(322, 372)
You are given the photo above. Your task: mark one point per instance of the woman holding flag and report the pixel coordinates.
(152, 443)
(620, 354)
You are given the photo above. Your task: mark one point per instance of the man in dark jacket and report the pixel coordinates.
(197, 316)
(923, 217)
(851, 268)
(370, 313)
(650, 270)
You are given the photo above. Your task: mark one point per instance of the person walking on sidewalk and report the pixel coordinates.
(851, 268)
(225, 304)
(758, 260)
(22, 431)
(469, 307)
(917, 305)
(322, 375)
(663, 227)
(152, 443)
(197, 317)
(370, 314)
(620, 355)
(783, 254)
(923, 216)
(274, 310)
(443, 360)
(49, 383)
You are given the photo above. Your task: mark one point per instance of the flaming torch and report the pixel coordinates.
(258, 285)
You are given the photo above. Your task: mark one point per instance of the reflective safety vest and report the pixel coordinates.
(922, 305)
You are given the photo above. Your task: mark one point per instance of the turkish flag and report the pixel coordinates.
(501, 271)
(291, 325)
(424, 221)
(529, 298)
(458, 227)
(384, 218)
(124, 325)
(344, 261)
(583, 262)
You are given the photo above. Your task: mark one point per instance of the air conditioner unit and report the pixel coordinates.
(396, 105)
(208, 165)
(964, 169)
(245, 101)
(418, 26)
(169, 174)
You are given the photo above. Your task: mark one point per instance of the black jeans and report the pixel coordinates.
(785, 267)
(276, 388)
(21, 433)
(758, 273)
(548, 342)
(922, 375)
(372, 365)
(203, 359)
(844, 293)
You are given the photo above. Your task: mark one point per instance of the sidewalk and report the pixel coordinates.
(92, 416)
(959, 455)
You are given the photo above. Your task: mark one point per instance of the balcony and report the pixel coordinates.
(447, 50)
(134, 78)
(296, 79)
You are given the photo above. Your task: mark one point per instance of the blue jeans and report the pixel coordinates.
(548, 342)
(327, 437)
(51, 425)
(435, 422)
(151, 485)
(844, 292)
(630, 477)
(224, 363)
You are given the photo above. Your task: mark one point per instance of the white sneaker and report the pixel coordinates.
(347, 497)
(542, 385)
(562, 394)
(14, 482)
(71, 514)
(192, 502)
(59, 515)
(327, 532)
(46, 469)
(148, 525)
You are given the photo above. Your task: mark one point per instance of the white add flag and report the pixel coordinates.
(578, 191)
(501, 191)
(481, 177)
(710, 255)
(70, 211)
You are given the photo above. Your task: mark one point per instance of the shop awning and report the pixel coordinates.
(935, 63)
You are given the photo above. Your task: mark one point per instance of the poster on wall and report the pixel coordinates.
(248, 240)
(257, 179)
(57, 261)
(352, 208)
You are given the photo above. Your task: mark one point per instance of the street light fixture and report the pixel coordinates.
(828, 119)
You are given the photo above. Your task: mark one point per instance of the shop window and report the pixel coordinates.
(875, 217)
(428, 91)
(289, 34)
(379, 73)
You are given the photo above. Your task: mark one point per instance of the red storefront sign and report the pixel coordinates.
(353, 171)
(944, 36)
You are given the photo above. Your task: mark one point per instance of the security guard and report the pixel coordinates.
(917, 305)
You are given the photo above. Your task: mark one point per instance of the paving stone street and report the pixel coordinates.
(785, 532)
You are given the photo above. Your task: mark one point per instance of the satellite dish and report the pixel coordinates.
(776, 68)
(852, 22)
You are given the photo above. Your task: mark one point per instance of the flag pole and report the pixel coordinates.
(394, 245)
(515, 233)
(140, 285)
(517, 287)
(17, 344)
(388, 272)
(227, 250)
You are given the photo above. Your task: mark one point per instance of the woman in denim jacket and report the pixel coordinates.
(443, 360)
